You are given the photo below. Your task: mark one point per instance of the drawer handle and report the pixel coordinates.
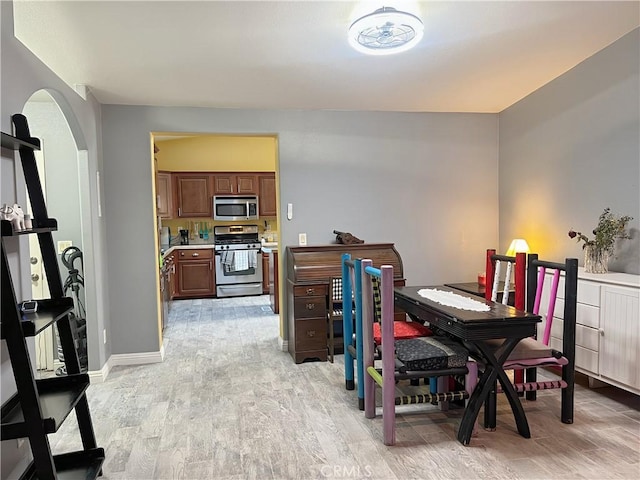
(601, 332)
(311, 333)
(195, 254)
(311, 306)
(311, 291)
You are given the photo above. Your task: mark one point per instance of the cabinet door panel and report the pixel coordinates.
(223, 184)
(247, 184)
(195, 278)
(193, 196)
(164, 195)
(267, 196)
(620, 341)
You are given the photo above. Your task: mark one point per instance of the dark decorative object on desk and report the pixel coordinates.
(345, 238)
(598, 250)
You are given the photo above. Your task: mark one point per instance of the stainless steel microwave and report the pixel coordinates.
(235, 207)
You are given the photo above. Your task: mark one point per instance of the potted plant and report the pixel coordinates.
(598, 250)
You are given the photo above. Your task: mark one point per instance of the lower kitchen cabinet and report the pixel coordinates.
(195, 273)
(171, 261)
(274, 293)
(265, 272)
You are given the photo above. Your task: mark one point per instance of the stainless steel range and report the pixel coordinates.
(238, 261)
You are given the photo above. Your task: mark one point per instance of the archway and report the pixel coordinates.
(65, 183)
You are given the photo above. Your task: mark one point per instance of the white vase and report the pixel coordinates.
(595, 260)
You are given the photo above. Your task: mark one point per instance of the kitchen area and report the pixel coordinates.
(217, 217)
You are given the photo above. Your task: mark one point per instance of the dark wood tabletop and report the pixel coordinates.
(499, 322)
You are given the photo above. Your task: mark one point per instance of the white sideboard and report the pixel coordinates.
(607, 329)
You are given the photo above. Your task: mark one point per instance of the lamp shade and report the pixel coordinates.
(518, 245)
(385, 31)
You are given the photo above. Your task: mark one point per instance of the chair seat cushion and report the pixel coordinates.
(527, 348)
(431, 353)
(402, 330)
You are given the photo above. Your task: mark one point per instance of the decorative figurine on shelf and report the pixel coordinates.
(345, 238)
(14, 214)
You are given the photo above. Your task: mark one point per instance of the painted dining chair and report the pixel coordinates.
(532, 354)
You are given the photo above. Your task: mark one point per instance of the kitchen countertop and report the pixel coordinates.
(167, 249)
(267, 247)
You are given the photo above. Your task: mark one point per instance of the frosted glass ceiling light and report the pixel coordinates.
(386, 31)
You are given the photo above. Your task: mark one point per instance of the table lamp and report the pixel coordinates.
(517, 245)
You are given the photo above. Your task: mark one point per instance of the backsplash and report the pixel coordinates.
(267, 226)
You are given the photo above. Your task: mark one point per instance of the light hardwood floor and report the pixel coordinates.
(226, 403)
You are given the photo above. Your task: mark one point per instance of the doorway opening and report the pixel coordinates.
(58, 168)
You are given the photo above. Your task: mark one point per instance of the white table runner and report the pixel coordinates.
(454, 300)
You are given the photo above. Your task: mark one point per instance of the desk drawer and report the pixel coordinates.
(310, 290)
(310, 307)
(311, 334)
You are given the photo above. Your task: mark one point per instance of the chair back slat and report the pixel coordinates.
(515, 265)
(536, 305)
(496, 281)
(507, 280)
(336, 289)
(377, 299)
(553, 294)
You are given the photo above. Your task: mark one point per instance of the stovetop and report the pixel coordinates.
(236, 237)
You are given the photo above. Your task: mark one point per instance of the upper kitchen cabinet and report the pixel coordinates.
(164, 195)
(235, 184)
(267, 193)
(193, 194)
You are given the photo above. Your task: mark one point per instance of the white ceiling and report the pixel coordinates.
(475, 56)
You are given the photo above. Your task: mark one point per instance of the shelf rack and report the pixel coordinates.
(39, 407)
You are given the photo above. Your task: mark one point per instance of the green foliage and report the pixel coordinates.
(610, 227)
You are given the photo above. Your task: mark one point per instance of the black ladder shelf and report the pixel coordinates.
(39, 407)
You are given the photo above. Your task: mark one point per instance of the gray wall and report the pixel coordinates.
(22, 75)
(569, 150)
(426, 182)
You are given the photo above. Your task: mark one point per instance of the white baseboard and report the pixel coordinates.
(99, 376)
(283, 344)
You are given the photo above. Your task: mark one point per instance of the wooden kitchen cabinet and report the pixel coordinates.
(195, 273)
(265, 272)
(274, 292)
(193, 194)
(170, 261)
(267, 195)
(235, 184)
(164, 195)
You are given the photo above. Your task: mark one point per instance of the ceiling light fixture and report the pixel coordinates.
(386, 31)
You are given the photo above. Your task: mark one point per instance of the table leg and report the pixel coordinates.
(493, 371)
(507, 387)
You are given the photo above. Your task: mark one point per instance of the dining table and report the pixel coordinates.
(472, 320)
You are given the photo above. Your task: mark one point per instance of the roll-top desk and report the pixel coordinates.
(309, 273)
